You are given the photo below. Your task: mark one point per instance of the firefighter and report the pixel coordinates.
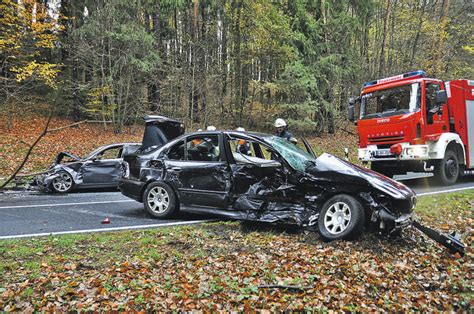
(282, 129)
(243, 147)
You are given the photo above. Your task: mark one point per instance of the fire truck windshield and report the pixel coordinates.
(390, 101)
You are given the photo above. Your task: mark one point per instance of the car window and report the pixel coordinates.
(176, 152)
(203, 148)
(111, 153)
(246, 151)
(295, 156)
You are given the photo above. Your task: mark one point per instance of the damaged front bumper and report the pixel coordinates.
(44, 180)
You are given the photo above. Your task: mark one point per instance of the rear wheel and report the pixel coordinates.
(159, 200)
(342, 217)
(447, 170)
(63, 183)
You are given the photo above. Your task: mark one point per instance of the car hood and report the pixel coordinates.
(61, 156)
(330, 164)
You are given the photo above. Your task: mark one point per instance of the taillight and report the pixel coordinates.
(396, 149)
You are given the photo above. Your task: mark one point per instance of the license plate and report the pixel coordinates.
(382, 152)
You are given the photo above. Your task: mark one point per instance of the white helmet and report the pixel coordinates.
(240, 129)
(280, 123)
(211, 128)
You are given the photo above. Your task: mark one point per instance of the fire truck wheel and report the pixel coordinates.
(447, 170)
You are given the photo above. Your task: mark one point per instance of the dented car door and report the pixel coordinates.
(198, 171)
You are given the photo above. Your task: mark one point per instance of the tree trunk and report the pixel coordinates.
(384, 37)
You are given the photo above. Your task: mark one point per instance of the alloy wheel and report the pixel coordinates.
(158, 200)
(63, 182)
(337, 218)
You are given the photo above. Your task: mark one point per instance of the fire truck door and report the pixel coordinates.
(436, 115)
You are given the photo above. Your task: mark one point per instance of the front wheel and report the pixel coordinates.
(447, 170)
(159, 200)
(62, 183)
(342, 217)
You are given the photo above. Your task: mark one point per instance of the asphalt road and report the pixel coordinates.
(35, 214)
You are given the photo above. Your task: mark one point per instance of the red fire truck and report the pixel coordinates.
(413, 123)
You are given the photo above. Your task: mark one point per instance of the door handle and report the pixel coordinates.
(177, 169)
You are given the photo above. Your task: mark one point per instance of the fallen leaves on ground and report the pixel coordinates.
(222, 266)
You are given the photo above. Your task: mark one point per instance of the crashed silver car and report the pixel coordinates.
(99, 169)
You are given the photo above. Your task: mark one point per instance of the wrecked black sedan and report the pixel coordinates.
(99, 169)
(271, 181)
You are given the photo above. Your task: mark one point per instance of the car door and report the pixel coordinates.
(103, 168)
(198, 171)
(258, 178)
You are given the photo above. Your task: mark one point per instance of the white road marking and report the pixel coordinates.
(446, 191)
(167, 224)
(66, 204)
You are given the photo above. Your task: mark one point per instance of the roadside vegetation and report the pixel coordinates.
(242, 266)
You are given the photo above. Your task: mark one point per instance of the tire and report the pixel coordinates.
(447, 170)
(63, 183)
(159, 200)
(341, 218)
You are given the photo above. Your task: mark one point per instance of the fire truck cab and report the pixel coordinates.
(411, 123)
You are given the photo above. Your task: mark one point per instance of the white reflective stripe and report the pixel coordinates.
(167, 224)
(445, 191)
(65, 204)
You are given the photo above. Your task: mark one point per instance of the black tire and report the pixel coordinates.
(347, 219)
(159, 200)
(63, 183)
(447, 170)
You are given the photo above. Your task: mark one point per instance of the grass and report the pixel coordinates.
(220, 265)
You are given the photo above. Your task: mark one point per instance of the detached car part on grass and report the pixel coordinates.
(100, 169)
(272, 180)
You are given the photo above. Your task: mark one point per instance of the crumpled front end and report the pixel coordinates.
(44, 181)
(388, 214)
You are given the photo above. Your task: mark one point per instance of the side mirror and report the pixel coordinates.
(351, 113)
(351, 108)
(441, 97)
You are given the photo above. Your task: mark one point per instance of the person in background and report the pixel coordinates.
(243, 146)
(211, 128)
(282, 129)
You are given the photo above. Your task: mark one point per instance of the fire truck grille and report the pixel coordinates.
(380, 139)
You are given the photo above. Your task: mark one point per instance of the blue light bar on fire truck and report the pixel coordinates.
(411, 74)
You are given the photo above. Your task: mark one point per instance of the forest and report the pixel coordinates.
(227, 63)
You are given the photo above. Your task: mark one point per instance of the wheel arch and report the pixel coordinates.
(437, 150)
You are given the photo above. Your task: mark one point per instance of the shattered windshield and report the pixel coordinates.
(390, 102)
(295, 156)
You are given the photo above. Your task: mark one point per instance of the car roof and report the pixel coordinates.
(118, 144)
(231, 132)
